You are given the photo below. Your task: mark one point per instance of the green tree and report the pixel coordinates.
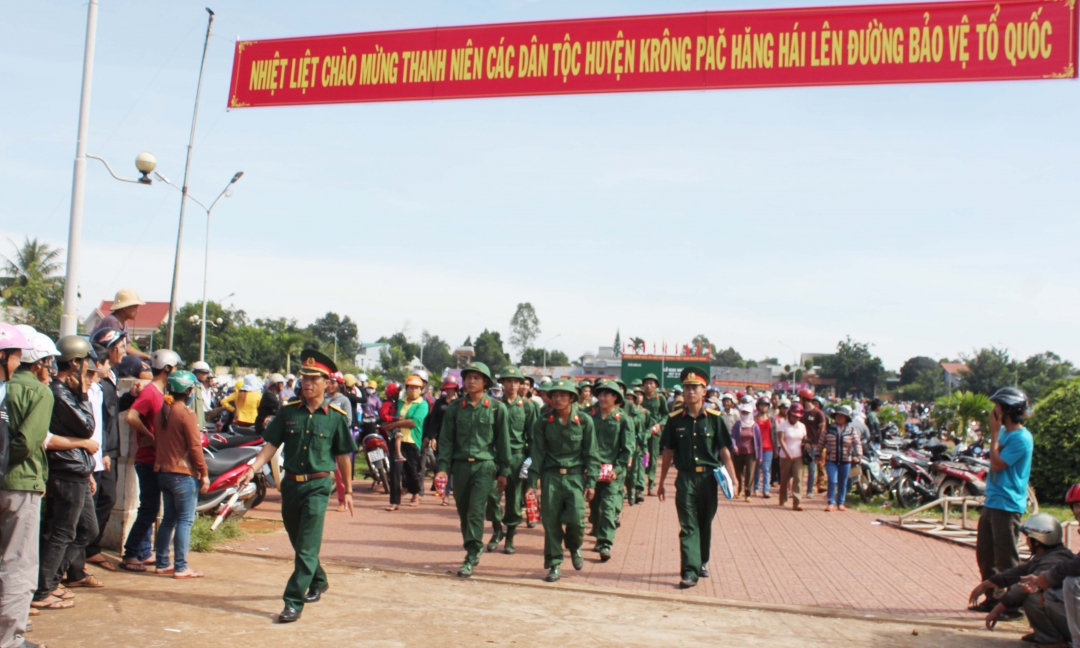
(853, 368)
(437, 356)
(30, 281)
(489, 350)
(1042, 372)
(535, 358)
(524, 327)
(911, 369)
(957, 410)
(729, 357)
(618, 344)
(929, 385)
(1055, 429)
(330, 329)
(395, 360)
(637, 344)
(989, 370)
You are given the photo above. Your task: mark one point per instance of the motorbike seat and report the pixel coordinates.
(233, 440)
(227, 459)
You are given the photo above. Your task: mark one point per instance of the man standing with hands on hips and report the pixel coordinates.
(317, 440)
(474, 443)
(698, 441)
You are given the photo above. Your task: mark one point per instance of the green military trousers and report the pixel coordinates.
(474, 481)
(695, 502)
(510, 515)
(563, 512)
(604, 509)
(635, 476)
(303, 509)
(654, 457)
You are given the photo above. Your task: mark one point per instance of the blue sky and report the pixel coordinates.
(926, 219)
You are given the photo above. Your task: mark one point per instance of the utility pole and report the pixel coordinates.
(184, 189)
(69, 319)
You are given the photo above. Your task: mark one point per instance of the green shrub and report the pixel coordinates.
(203, 539)
(1055, 426)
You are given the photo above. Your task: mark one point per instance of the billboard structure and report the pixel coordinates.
(665, 367)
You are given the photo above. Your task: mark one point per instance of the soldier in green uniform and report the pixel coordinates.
(698, 441)
(584, 390)
(520, 416)
(657, 408)
(317, 440)
(635, 476)
(474, 444)
(615, 442)
(565, 461)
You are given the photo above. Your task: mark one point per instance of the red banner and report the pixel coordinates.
(912, 43)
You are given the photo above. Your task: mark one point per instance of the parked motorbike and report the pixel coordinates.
(912, 482)
(873, 478)
(235, 436)
(225, 468)
(377, 450)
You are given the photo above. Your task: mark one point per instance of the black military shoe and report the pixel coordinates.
(577, 559)
(703, 572)
(288, 615)
(605, 555)
(554, 574)
(687, 582)
(638, 499)
(314, 594)
(618, 522)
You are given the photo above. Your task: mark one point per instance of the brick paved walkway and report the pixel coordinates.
(761, 553)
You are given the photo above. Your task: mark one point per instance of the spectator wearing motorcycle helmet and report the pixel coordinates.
(451, 387)
(105, 402)
(406, 431)
(841, 447)
(1011, 447)
(26, 407)
(270, 403)
(181, 473)
(142, 417)
(768, 428)
(1046, 613)
(71, 516)
(335, 397)
(1063, 580)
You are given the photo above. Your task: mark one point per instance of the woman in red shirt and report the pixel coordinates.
(768, 442)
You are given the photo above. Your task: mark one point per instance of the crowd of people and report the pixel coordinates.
(505, 448)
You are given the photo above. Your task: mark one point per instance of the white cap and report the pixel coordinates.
(276, 378)
(200, 366)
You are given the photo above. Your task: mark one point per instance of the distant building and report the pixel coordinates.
(954, 374)
(142, 328)
(803, 357)
(369, 356)
(736, 378)
(604, 364)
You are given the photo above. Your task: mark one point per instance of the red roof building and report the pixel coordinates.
(151, 316)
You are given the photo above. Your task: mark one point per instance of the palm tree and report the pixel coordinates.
(956, 411)
(31, 282)
(290, 343)
(637, 344)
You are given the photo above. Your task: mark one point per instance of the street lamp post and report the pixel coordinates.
(206, 261)
(184, 190)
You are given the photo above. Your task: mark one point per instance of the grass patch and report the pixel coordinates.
(203, 539)
(884, 507)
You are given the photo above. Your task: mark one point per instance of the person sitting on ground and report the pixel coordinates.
(181, 473)
(1062, 582)
(1045, 613)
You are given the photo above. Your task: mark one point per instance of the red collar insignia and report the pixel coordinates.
(487, 403)
(551, 419)
(617, 416)
(576, 419)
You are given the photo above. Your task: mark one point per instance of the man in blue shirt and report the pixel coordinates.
(1006, 487)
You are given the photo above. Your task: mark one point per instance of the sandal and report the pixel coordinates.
(136, 567)
(189, 573)
(165, 571)
(35, 612)
(104, 563)
(89, 581)
(445, 503)
(54, 604)
(391, 508)
(62, 593)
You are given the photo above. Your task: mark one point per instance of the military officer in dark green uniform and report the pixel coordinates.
(317, 440)
(520, 416)
(475, 445)
(615, 441)
(657, 408)
(698, 441)
(565, 462)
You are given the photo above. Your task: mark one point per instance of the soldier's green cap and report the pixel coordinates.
(620, 383)
(611, 386)
(636, 382)
(510, 371)
(563, 384)
(480, 368)
(582, 384)
(316, 363)
(651, 377)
